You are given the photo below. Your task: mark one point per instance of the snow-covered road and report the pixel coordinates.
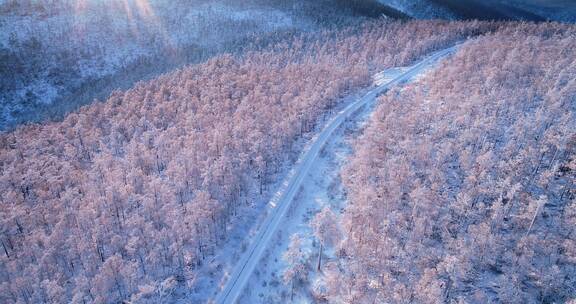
(280, 203)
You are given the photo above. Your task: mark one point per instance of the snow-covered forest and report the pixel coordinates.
(461, 188)
(58, 55)
(125, 199)
(273, 151)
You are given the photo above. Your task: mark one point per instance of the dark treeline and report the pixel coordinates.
(488, 10)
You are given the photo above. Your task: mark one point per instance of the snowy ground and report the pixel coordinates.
(387, 75)
(321, 188)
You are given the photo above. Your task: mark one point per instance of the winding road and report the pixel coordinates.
(280, 203)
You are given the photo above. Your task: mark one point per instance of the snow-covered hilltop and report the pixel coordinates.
(58, 55)
(70, 51)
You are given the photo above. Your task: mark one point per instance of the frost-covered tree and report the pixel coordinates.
(326, 230)
(296, 260)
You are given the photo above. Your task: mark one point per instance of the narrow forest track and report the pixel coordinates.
(281, 201)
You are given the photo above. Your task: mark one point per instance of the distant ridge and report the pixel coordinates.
(374, 9)
(473, 9)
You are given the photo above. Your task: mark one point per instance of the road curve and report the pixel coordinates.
(281, 202)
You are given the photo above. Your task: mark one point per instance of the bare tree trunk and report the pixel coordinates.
(5, 250)
(534, 218)
(292, 292)
(319, 258)
(260, 178)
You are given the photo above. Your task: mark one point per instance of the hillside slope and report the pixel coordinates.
(129, 198)
(56, 56)
(462, 187)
